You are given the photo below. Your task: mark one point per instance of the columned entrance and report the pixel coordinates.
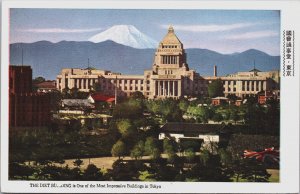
(167, 88)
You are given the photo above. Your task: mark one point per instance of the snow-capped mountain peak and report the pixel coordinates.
(127, 35)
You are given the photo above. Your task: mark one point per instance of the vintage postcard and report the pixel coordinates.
(150, 97)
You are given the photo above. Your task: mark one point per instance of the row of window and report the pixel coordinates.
(125, 88)
(168, 72)
(246, 86)
(124, 81)
(167, 59)
(169, 46)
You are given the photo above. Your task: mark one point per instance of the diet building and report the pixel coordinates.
(170, 77)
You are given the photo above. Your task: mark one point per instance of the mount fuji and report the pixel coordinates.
(127, 35)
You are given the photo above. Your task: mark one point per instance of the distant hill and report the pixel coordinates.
(47, 59)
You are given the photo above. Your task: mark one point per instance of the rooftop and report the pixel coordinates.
(80, 103)
(102, 98)
(46, 84)
(171, 37)
(220, 98)
(254, 70)
(179, 127)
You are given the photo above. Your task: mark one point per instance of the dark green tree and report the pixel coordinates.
(215, 88)
(169, 147)
(138, 150)
(137, 95)
(190, 154)
(96, 87)
(125, 127)
(251, 170)
(151, 148)
(38, 80)
(78, 163)
(74, 93)
(118, 149)
(92, 173)
(65, 94)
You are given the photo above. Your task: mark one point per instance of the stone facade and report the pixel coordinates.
(170, 76)
(243, 84)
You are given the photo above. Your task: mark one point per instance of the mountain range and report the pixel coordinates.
(47, 58)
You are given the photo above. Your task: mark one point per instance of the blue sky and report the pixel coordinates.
(224, 31)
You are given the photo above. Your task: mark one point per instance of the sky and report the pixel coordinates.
(224, 31)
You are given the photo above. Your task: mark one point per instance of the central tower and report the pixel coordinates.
(170, 54)
(170, 75)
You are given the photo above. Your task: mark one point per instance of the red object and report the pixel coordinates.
(26, 108)
(98, 97)
(260, 156)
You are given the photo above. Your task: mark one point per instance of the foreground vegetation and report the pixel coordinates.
(133, 131)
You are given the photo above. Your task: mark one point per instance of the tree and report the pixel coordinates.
(55, 100)
(16, 169)
(138, 150)
(146, 176)
(217, 117)
(234, 115)
(137, 95)
(169, 149)
(225, 157)
(125, 127)
(202, 113)
(205, 156)
(38, 80)
(232, 97)
(124, 171)
(78, 163)
(118, 149)
(190, 154)
(66, 93)
(151, 148)
(170, 111)
(251, 170)
(132, 109)
(96, 87)
(92, 173)
(183, 105)
(74, 93)
(215, 88)
(153, 106)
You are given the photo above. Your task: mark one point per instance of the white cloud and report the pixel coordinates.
(210, 27)
(60, 30)
(252, 35)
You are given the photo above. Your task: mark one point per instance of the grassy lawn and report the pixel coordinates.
(274, 175)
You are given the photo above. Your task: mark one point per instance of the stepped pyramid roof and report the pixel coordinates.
(171, 37)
